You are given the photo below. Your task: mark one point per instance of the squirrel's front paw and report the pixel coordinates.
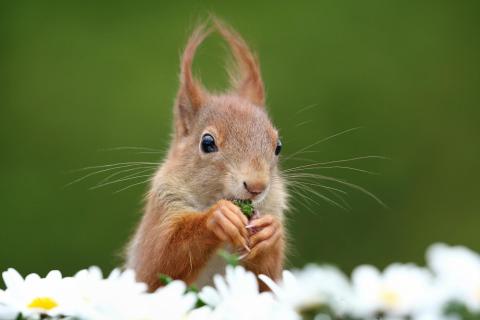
(228, 223)
(268, 236)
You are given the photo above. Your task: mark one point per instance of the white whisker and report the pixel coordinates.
(107, 169)
(119, 164)
(136, 171)
(306, 198)
(322, 140)
(318, 194)
(130, 148)
(302, 123)
(310, 106)
(133, 185)
(343, 182)
(302, 168)
(117, 181)
(337, 161)
(321, 186)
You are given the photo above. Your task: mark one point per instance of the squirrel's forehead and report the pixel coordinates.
(240, 123)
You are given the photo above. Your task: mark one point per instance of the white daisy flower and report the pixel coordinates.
(169, 302)
(121, 297)
(35, 296)
(237, 297)
(458, 270)
(313, 287)
(98, 294)
(401, 290)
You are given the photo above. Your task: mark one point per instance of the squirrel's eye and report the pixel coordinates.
(278, 148)
(208, 143)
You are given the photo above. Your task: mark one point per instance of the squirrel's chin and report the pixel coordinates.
(258, 200)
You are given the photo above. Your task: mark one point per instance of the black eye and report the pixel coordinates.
(278, 148)
(208, 143)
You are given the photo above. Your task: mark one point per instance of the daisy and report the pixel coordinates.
(121, 297)
(401, 290)
(313, 287)
(236, 296)
(35, 296)
(458, 270)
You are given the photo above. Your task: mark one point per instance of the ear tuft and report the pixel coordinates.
(246, 77)
(192, 88)
(191, 95)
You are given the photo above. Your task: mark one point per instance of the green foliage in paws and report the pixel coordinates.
(246, 206)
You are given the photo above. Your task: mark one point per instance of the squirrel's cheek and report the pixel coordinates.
(220, 166)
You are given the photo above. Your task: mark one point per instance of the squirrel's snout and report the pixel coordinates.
(255, 187)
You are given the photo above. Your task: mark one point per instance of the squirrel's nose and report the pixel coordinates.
(255, 188)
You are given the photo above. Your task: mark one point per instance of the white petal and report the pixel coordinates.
(210, 296)
(12, 278)
(7, 313)
(271, 284)
(174, 288)
(54, 275)
(32, 277)
(220, 284)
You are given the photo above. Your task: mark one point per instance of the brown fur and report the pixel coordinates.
(186, 219)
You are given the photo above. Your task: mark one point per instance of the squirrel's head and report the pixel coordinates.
(225, 142)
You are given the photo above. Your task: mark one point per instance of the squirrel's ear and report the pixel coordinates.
(191, 94)
(245, 77)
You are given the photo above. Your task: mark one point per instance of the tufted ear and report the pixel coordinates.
(245, 77)
(191, 94)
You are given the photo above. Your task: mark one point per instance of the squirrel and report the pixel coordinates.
(224, 147)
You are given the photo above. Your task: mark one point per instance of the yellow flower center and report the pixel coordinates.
(44, 303)
(389, 297)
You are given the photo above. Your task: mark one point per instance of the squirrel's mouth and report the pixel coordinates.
(255, 200)
(235, 198)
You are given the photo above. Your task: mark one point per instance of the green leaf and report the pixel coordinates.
(192, 288)
(165, 279)
(20, 317)
(200, 303)
(456, 308)
(245, 206)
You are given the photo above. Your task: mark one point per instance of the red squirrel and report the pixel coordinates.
(224, 147)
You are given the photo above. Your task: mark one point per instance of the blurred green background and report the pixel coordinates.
(78, 78)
